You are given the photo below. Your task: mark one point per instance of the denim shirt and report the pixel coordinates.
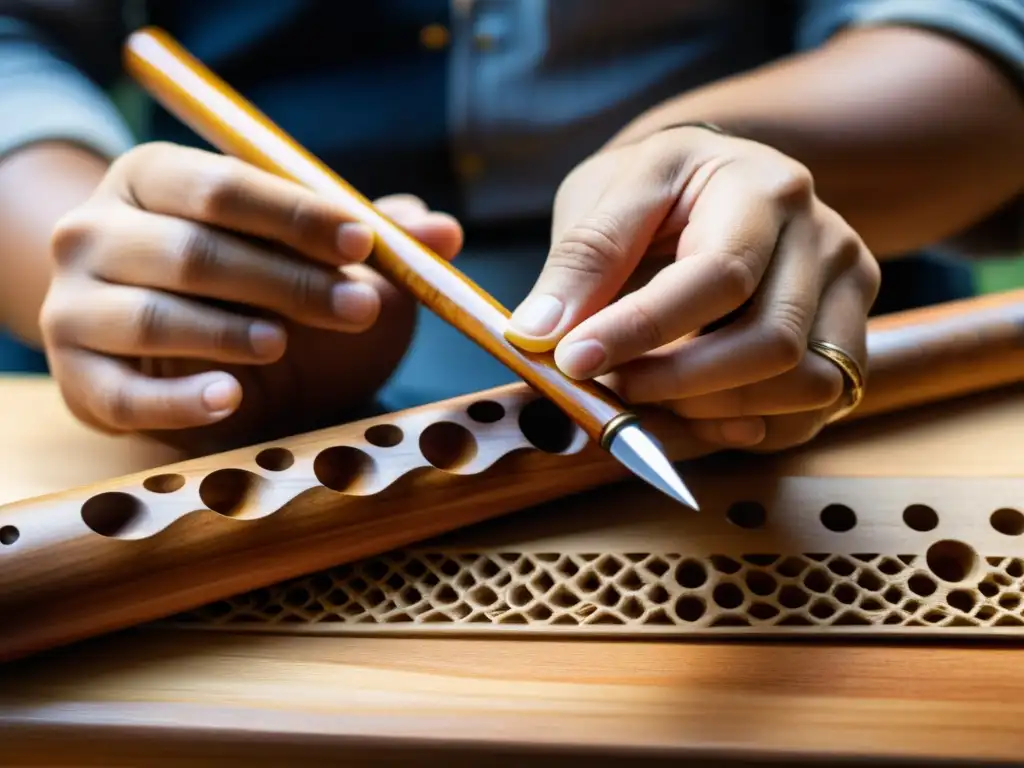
(481, 107)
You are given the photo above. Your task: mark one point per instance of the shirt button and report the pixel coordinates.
(484, 41)
(434, 37)
(470, 165)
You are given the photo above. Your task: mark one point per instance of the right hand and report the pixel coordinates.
(188, 272)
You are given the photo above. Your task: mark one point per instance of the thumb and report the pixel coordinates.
(590, 261)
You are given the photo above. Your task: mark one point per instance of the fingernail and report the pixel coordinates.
(538, 316)
(355, 241)
(355, 303)
(581, 359)
(220, 396)
(742, 432)
(265, 339)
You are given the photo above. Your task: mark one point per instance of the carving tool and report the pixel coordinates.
(201, 100)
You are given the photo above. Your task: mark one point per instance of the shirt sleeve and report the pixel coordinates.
(995, 27)
(44, 97)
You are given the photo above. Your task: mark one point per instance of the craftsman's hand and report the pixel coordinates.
(188, 274)
(740, 228)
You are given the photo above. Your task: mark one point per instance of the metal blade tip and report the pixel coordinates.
(642, 456)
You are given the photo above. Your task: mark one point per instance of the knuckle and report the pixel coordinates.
(114, 405)
(196, 254)
(589, 248)
(305, 290)
(783, 335)
(51, 319)
(307, 220)
(151, 322)
(217, 189)
(823, 384)
(791, 184)
(142, 156)
(736, 279)
(73, 235)
(232, 337)
(644, 328)
(868, 273)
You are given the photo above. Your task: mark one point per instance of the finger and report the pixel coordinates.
(800, 402)
(592, 259)
(722, 256)
(440, 232)
(231, 194)
(730, 433)
(137, 322)
(184, 257)
(770, 339)
(111, 396)
(789, 431)
(814, 383)
(843, 322)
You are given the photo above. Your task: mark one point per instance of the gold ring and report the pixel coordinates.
(852, 375)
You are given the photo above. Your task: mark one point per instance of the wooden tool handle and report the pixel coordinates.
(149, 545)
(220, 115)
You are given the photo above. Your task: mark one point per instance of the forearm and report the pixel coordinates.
(38, 185)
(911, 136)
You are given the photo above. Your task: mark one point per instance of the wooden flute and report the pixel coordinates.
(150, 545)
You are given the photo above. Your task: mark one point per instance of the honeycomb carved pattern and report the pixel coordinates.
(639, 593)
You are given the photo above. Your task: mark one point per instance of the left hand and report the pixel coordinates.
(747, 233)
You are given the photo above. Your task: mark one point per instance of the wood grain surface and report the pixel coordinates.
(285, 700)
(159, 697)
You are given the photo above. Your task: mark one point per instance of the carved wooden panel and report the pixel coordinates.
(835, 555)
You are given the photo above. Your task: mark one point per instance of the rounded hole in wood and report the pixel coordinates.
(763, 611)
(921, 584)
(724, 564)
(760, 583)
(746, 514)
(728, 596)
(275, 459)
(9, 535)
(232, 492)
(793, 597)
(951, 560)
(114, 514)
(961, 599)
(486, 411)
(343, 469)
(164, 483)
(1009, 601)
(988, 589)
(845, 594)
(447, 445)
(838, 518)
(1009, 522)
(689, 609)
(690, 574)
(546, 426)
(384, 435)
(920, 517)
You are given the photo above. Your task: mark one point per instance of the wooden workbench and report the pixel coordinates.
(177, 697)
